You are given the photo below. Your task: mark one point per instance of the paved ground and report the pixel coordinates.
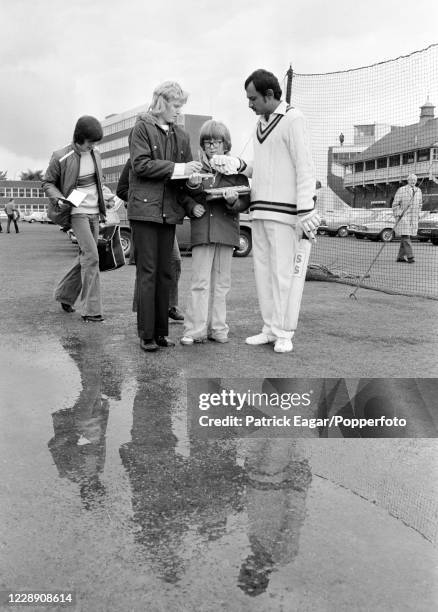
(106, 490)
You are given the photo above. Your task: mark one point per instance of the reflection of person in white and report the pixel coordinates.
(283, 186)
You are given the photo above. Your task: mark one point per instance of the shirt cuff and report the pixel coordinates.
(178, 170)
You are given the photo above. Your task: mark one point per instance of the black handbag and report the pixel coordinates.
(110, 249)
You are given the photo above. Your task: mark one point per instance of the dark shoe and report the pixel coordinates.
(401, 260)
(163, 341)
(148, 345)
(93, 318)
(67, 307)
(175, 314)
(411, 260)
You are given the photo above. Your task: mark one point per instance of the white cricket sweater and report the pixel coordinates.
(283, 174)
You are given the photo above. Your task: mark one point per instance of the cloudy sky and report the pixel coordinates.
(61, 59)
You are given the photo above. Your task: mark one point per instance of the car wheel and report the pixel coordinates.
(126, 240)
(31, 220)
(386, 235)
(342, 232)
(359, 236)
(245, 244)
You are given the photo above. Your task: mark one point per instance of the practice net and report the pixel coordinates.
(371, 128)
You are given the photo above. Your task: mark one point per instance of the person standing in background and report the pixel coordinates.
(406, 207)
(13, 215)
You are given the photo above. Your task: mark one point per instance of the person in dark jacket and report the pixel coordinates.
(214, 235)
(160, 155)
(13, 213)
(174, 311)
(76, 170)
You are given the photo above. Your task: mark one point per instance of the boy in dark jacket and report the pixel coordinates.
(160, 153)
(214, 235)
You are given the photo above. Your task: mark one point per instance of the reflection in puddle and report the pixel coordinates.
(78, 446)
(278, 479)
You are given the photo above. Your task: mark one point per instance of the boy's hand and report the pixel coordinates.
(198, 210)
(231, 195)
(195, 180)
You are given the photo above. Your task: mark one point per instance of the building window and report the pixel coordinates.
(435, 154)
(423, 155)
(382, 162)
(115, 160)
(408, 158)
(358, 167)
(394, 160)
(370, 164)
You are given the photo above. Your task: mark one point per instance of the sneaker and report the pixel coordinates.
(283, 345)
(188, 340)
(164, 342)
(175, 314)
(260, 339)
(401, 260)
(220, 339)
(66, 307)
(92, 318)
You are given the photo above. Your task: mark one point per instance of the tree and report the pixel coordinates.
(3, 175)
(32, 175)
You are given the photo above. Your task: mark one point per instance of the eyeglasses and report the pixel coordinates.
(212, 143)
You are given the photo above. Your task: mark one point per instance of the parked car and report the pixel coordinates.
(428, 227)
(36, 215)
(379, 227)
(336, 215)
(183, 236)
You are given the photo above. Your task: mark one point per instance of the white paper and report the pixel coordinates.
(76, 197)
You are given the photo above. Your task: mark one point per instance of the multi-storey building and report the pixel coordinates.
(28, 195)
(114, 145)
(339, 156)
(377, 172)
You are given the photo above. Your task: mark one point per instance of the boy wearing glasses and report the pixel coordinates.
(214, 235)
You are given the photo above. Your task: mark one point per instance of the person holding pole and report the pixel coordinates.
(282, 205)
(406, 207)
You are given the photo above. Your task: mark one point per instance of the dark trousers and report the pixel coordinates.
(153, 243)
(405, 247)
(14, 221)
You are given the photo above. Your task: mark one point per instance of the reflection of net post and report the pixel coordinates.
(301, 261)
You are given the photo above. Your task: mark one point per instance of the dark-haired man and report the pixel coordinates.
(282, 205)
(75, 172)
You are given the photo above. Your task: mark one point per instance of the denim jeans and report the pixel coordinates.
(206, 313)
(83, 279)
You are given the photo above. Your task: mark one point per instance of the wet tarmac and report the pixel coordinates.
(107, 491)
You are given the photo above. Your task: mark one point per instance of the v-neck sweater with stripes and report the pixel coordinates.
(283, 174)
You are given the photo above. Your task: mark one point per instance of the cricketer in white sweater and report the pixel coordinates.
(282, 190)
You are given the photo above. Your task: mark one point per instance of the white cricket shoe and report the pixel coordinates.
(283, 345)
(260, 339)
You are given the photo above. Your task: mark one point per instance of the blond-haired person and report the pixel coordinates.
(160, 153)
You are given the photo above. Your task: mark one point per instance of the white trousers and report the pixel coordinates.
(274, 248)
(211, 274)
